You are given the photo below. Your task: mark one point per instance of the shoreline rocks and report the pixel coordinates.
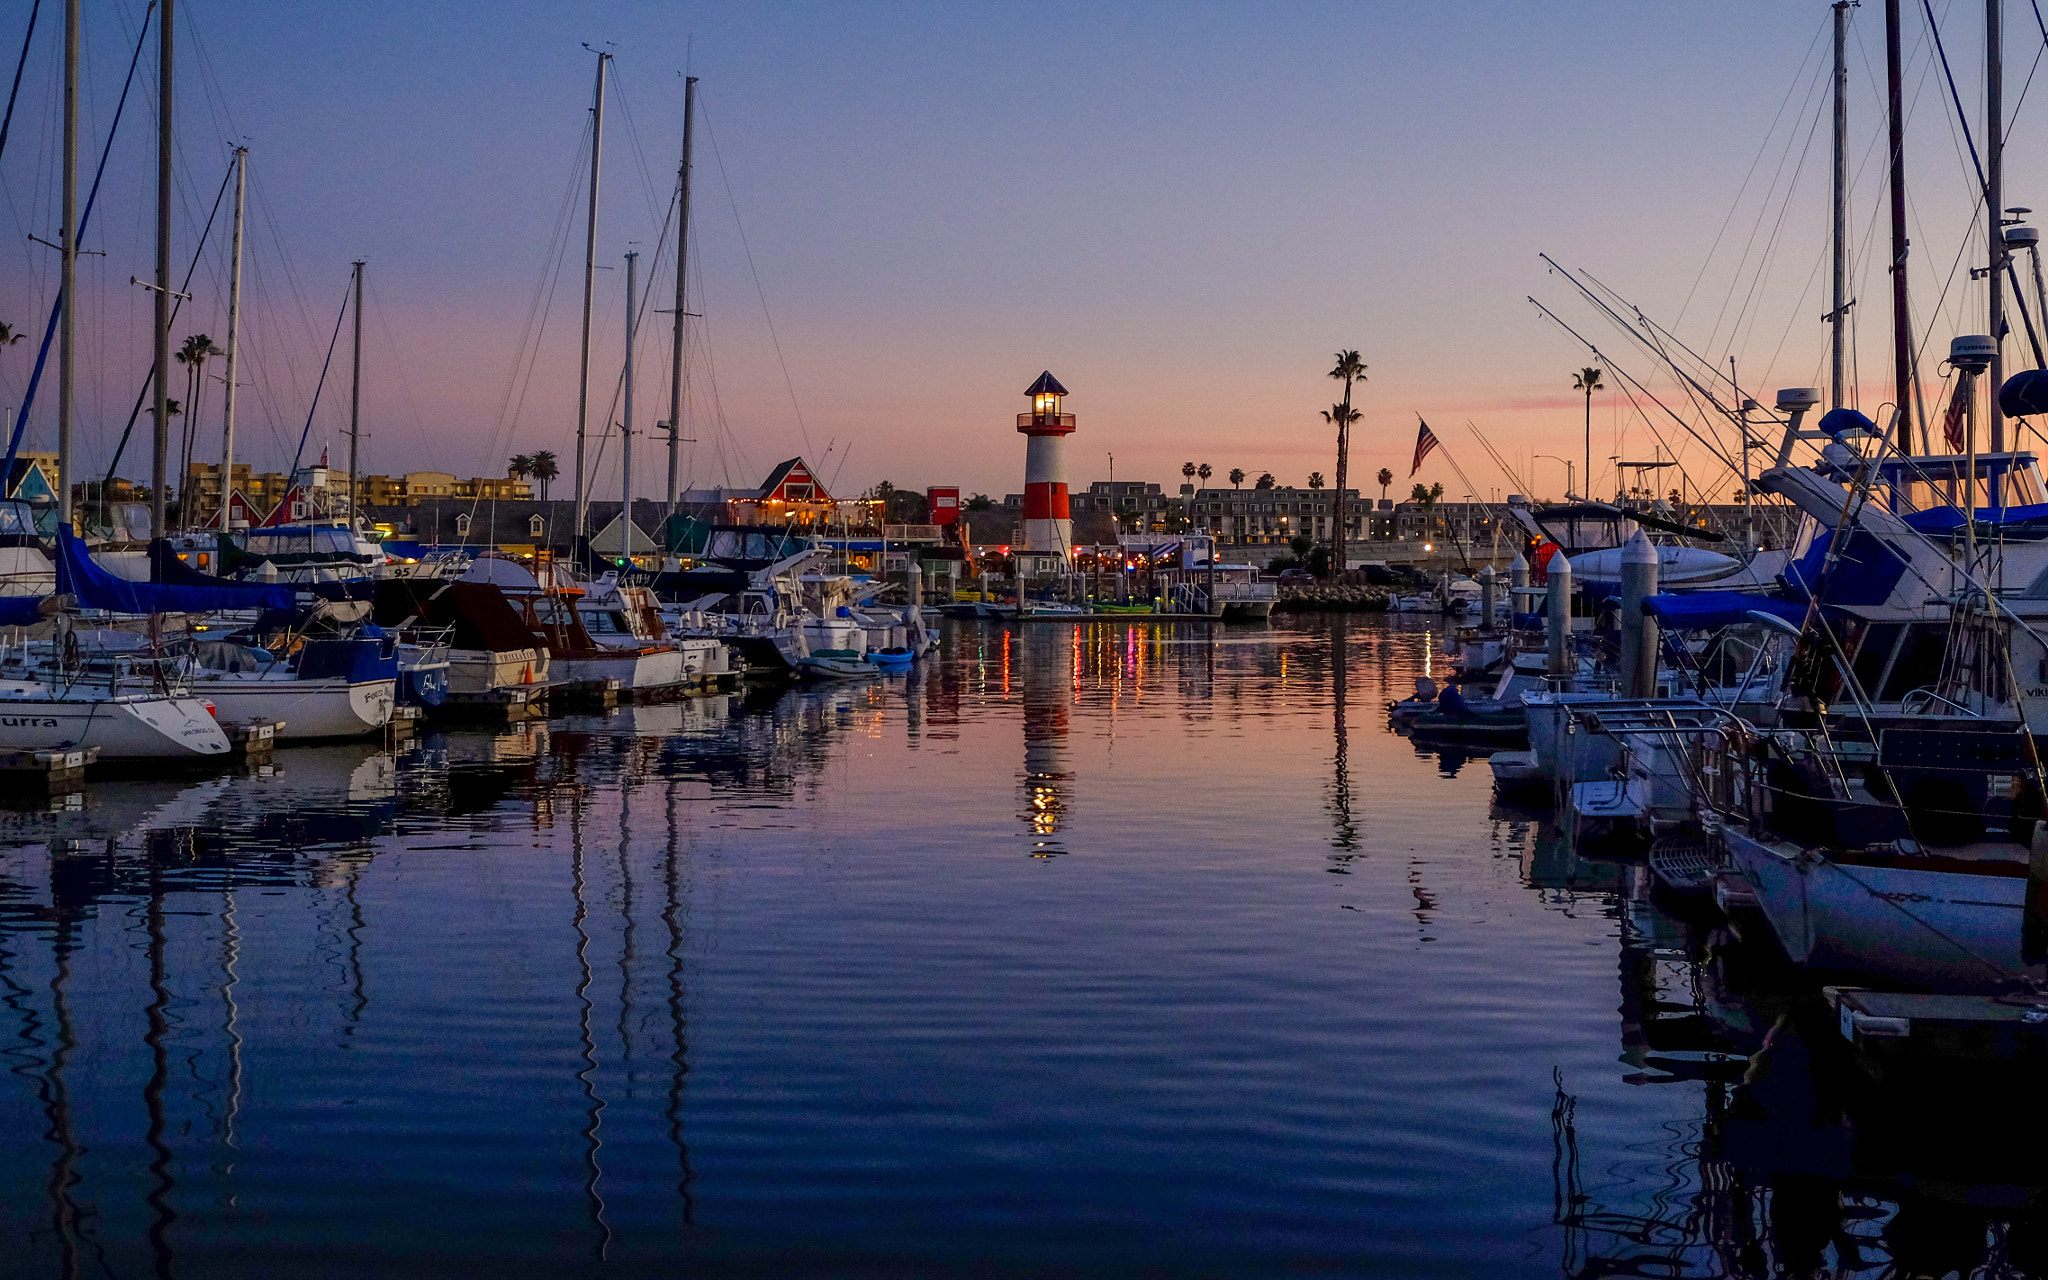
(1317, 598)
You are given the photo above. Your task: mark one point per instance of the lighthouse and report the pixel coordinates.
(1048, 523)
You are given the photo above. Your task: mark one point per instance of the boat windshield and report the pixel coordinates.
(16, 517)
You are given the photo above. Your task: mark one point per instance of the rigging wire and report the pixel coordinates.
(21, 64)
(376, 308)
(346, 298)
(704, 114)
(184, 289)
(78, 234)
(1741, 189)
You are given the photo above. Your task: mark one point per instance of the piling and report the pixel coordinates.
(405, 722)
(254, 741)
(1638, 632)
(1486, 600)
(1559, 625)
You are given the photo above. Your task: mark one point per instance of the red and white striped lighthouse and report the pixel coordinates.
(1048, 522)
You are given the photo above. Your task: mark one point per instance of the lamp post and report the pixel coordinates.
(1567, 472)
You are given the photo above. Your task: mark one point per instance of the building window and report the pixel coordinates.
(462, 525)
(535, 526)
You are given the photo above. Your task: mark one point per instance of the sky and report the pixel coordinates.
(902, 213)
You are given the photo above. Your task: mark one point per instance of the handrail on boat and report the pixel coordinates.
(1907, 701)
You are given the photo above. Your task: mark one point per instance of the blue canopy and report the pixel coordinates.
(1705, 610)
(78, 575)
(1942, 519)
(21, 611)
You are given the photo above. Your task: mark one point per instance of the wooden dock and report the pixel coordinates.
(1897, 1024)
(38, 776)
(520, 702)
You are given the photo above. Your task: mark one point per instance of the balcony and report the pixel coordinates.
(1045, 421)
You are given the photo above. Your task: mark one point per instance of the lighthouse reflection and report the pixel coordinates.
(1047, 658)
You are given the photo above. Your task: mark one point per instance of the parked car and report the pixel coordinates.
(1296, 577)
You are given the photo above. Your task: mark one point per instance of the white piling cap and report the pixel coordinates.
(1637, 550)
(1521, 562)
(1558, 564)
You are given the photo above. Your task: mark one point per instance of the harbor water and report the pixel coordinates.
(1108, 948)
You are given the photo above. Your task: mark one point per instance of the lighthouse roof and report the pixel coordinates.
(1047, 385)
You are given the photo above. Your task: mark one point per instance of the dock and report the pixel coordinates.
(254, 741)
(521, 702)
(1896, 1024)
(39, 776)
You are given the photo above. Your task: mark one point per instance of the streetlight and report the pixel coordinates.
(1567, 473)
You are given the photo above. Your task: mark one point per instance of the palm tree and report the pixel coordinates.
(1315, 479)
(1265, 481)
(544, 470)
(1341, 416)
(198, 349)
(1205, 471)
(520, 466)
(1349, 369)
(1426, 497)
(1588, 381)
(1237, 477)
(1383, 479)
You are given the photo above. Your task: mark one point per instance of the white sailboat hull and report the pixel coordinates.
(1946, 930)
(128, 727)
(635, 671)
(310, 709)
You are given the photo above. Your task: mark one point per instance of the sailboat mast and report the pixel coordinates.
(1839, 317)
(1994, 213)
(355, 399)
(69, 284)
(227, 422)
(1902, 320)
(160, 430)
(589, 286)
(675, 373)
(626, 426)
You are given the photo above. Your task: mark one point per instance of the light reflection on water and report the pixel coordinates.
(1078, 949)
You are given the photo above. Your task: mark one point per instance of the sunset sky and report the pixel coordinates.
(1183, 211)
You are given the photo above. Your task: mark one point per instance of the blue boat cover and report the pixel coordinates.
(1865, 573)
(21, 611)
(1705, 610)
(95, 588)
(1942, 519)
(1836, 421)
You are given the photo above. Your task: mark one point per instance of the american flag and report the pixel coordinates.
(1425, 440)
(1953, 423)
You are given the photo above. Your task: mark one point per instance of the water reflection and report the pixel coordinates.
(1049, 672)
(758, 984)
(1803, 1156)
